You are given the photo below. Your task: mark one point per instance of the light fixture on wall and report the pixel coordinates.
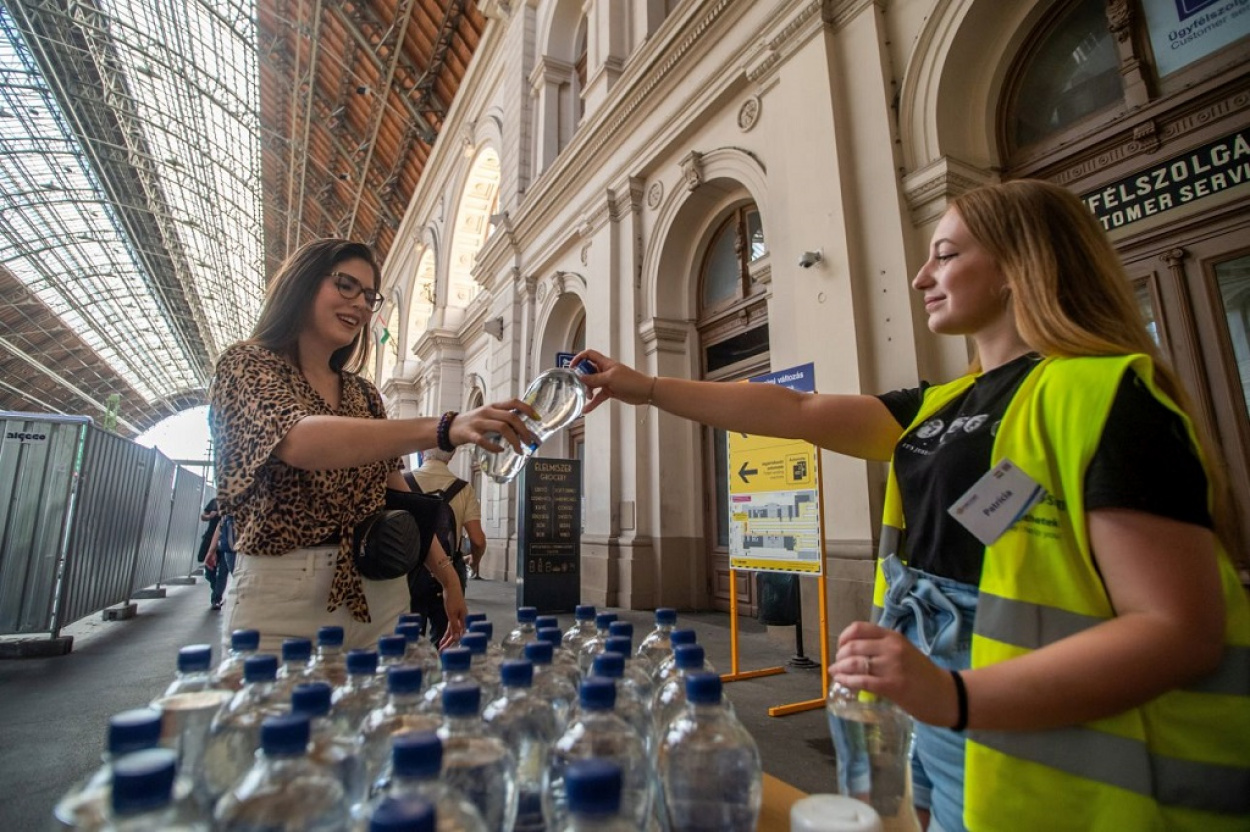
(810, 258)
(494, 328)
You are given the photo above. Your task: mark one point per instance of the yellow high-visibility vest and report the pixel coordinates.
(1182, 760)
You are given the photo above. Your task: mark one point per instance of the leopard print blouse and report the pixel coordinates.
(255, 398)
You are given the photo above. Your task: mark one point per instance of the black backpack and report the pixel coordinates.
(435, 507)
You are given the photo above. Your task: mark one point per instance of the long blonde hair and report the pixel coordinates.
(1071, 295)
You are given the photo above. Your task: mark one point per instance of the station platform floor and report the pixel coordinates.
(54, 711)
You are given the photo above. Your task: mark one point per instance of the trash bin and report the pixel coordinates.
(778, 596)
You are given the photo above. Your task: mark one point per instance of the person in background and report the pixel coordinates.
(305, 453)
(208, 552)
(1083, 661)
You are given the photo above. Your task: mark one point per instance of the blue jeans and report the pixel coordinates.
(219, 576)
(935, 614)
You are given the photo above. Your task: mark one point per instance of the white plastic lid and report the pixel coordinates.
(833, 813)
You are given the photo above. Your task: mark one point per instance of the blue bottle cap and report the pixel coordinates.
(474, 616)
(703, 688)
(463, 699)
(392, 645)
(134, 730)
(593, 786)
(285, 735)
(456, 659)
(546, 621)
(551, 635)
(330, 636)
(475, 642)
(410, 631)
(597, 694)
(538, 652)
(403, 679)
(526, 615)
(312, 698)
(517, 673)
(245, 640)
(681, 637)
(411, 618)
(666, 616)
(482, 627)
(417, 754)
(621, 628)
(611, 665)
(296, 650)
(362, 662)
(604, 620)
(195, 658)
(688, 656)
(260, 668)
(585, 367)
(584, 612)
(619, 644)
(403, 814)
(143, 781)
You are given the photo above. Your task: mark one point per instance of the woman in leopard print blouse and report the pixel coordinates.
(305, 452)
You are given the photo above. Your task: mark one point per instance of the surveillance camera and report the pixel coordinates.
(809, 258)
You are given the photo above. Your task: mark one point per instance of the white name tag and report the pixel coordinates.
(998, 500)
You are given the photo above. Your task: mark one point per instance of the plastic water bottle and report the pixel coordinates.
(631, 705)
(457, 670)
(582, 629)
(416, 766)
(363, 692)
(405, 814)
(494, 652)
(235, 733)
(187, 710)
(420, 650)
(86, 805)
(593, 646)
(709, 765)
(872, 741)
(329, 665)
(594, 792)
(670, 697)
(557, 396)
(336, 752)
(485, 670)
(833, 813)
(657, 646)
(229, 672)
(296, 667)
(392, 652)
(143, 795)
(475, 762)
(634, 673)
(550, 684)
(284, 789)
(668, 667)
(404, 711)
(525, 631)
(597, 731)
(527, 724)
(564, 659)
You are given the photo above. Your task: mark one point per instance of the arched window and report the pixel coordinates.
(580, 50)
(726, 275)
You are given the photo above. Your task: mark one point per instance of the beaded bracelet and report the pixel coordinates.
(961, 696)
(651, 390)
(443, 433)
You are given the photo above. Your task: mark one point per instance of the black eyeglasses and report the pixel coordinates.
(350, 288)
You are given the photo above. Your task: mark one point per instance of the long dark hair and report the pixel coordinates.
(290, 296)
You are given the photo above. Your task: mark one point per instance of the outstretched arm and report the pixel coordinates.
(855, 425)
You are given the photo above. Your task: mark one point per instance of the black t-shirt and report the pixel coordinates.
(945, 456)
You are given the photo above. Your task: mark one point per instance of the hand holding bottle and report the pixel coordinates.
(884, 662)
(483, 425)
(614, 381)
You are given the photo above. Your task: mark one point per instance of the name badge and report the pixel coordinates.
(996, 501)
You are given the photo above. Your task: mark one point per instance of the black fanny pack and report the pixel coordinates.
(387, 545)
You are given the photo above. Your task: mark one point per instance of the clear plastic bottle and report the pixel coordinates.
(392, 652)
(229, 672)
(404, 711)
(188, 707)
(476, 762)
(551, 684)
(872, 741)
(143, 795)
(670, 697)
(594, 792)
(558, 396)
(493, 651)
(364, 691)
(593, 646)
(405, 814)
(483, 666)
(457, 664)
(296, 667)
(526, 630)
(285, 788)
(329, 665)
(235, 733)
(709, 765)
(657, 646)
(528, 725)
(86, 805)
(668, 667)
(564, 659)
(635, 672)
(583, 627)
(597, 731)
(415, 771)
(336, 752)
(631, 705)
(420, 650)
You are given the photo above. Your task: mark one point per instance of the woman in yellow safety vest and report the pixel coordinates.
(1055, 603)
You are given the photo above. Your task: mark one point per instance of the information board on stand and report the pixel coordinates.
(550, 534)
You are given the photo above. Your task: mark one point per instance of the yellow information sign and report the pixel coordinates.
(774, 505)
